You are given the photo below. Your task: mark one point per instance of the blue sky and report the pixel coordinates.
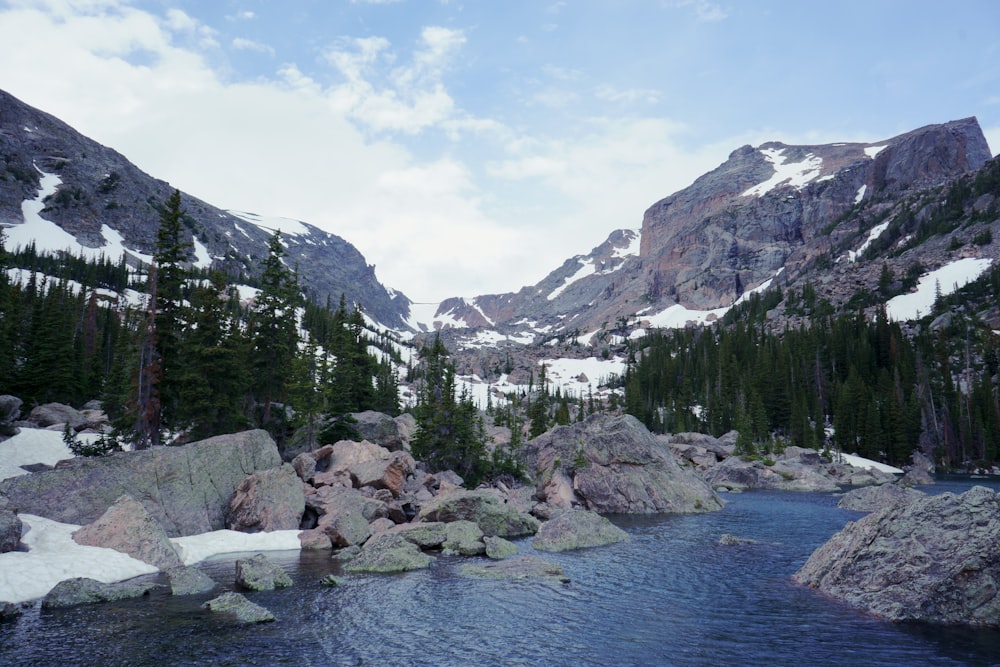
(470, 146)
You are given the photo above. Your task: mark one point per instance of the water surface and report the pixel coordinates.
(671, 595)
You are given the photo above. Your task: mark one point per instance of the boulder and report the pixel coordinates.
(189, 581)
(239, 608)
(874, 498)
(305, 466)
(388, 474)
(516, 569)
(10, 531)
(267, 500)
(497, 548)
(81, 590)
(785, 475)
(127, 527)
(614, 465)
(345, 528)
(187, 489)
(260, 574)
(9, 611)
(314, 538)
(10, 412)
(934, 559)
(50, 414)
(389, 552)
(915, 476)
(483, 507)
(463, 538)
(576, 529)
(344, 514)
(429, 535)
(382, 430)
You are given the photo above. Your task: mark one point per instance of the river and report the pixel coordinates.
(671, 595)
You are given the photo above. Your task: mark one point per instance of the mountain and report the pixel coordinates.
(771, 215)
(98, 201)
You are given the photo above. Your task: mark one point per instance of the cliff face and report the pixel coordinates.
(101, 190)
(765, 212)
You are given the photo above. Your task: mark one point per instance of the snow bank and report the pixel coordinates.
(948, 278)
(861, 462)
(32, 445)
(196, 548)
(796, 174)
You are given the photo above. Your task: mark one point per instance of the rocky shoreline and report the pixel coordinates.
(377, 511)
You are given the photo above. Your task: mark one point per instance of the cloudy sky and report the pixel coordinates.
(470, 146)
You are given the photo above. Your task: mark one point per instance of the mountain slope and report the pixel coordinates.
(100, 196)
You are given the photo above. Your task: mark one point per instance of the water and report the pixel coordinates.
(671, 595)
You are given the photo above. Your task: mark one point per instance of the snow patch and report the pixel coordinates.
(948, 278)
(861, 194)
(795, 174)
(873, 233)
(587, 268)
(861, 462)
(203, 260)
(270, 223)
(872, 151)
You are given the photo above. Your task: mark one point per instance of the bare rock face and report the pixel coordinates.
(614, 465)
(127, 527)
(188, 489)
(934, 559)
(267, 500)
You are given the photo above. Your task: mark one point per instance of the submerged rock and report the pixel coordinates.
(239, 607)
(260, 574)
(934, 559)
(517, 569)
(81, 590)
(577, 529)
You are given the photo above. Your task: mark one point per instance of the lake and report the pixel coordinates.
(671, 595)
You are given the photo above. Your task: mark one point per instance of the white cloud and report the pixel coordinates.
(241, 44)
(705, 10)
(609, 93)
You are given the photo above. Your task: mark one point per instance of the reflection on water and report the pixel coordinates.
(671, 595)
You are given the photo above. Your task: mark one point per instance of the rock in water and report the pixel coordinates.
(82, 590)
(483, 507)
(187, 489)
(614, 465)
(497, 548)
(260, 574)
(127, 527)
(934, 559)
(577, 529)
(389, 552)
(517, 569)
(189, 581)
(238, 606)
(874, 498)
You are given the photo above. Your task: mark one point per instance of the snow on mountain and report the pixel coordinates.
(795, 174)
(944, 280)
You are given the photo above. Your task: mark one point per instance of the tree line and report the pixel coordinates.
(858, 384)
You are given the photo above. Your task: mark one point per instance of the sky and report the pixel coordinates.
(471, 146)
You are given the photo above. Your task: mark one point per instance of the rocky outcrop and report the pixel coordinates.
(875, 498)
(934, 559)
(388, 553)
(576, 529)
(267, 500)
(10, 531)
(916, 477)
(187, 489)
(482, 507)
(50, 414)
(81, 590)
(127, 527)
(738, 474)
(241, 609)
(614, 465)
(260, 574)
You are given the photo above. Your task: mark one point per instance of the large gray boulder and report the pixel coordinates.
(268, 500)
(10, 531)
(614, 465)
(344, 514)
(784, 475)
(483, 507)
(50, 414)
(187, 489)
(127, 527)
(189, 581)
(576, 529)
(81, 590)
(381, 429)
(934, 559)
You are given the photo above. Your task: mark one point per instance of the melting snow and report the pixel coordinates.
(873, 233)
(861, 194)
(796, 174)
(861, 462)
(948, 279)
(203, 260)
(587, 268)
(872, 151)
(287, 226)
